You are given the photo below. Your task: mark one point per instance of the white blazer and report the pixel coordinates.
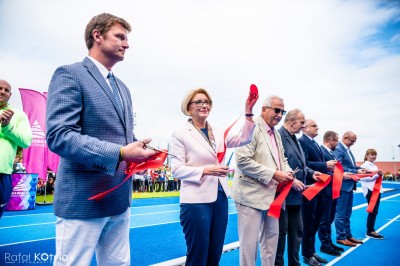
(193, 154)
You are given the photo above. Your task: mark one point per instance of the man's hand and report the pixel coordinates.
(361, 171)
(136, 152)
(298, 185)
(281, 176)
(331, 164)
(6, 116)
(346, 175)
(316, 176)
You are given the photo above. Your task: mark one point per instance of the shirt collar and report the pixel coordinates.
(103, 70)
(327, 148)
(344, 145)
(309, 137)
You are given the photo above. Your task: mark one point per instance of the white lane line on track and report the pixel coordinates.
(332, 262)
(132, 227)
(382, 199)
(181, 260)
(177, 221)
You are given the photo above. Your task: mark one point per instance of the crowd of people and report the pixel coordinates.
(156, 180)
(90, 124)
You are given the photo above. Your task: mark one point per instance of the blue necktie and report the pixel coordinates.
(114, 87)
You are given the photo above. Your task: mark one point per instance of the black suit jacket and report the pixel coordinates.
(295, 156)
(314, 157)
(328, 156)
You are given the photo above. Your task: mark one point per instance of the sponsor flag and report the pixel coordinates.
(35, 156)
(52, 159)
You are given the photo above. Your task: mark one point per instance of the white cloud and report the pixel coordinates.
(317, 55)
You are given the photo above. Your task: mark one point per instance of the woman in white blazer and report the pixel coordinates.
(367, 184)
(204, 188)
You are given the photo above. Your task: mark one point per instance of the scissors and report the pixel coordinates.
(155, 149)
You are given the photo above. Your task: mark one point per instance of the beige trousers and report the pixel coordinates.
(255, 226)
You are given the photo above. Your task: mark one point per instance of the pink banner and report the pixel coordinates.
(35, 157)
(52, 159)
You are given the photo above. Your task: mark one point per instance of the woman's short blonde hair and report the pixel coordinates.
(188, 98)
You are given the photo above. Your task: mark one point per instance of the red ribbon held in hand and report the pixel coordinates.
(314, 189)
(275, 208)
(156, 162)
(375, 194)
(337, 180)
(221, 155)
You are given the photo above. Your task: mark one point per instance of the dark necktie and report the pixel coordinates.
(295, 141)
(114, 88)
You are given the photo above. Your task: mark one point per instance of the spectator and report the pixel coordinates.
(18, 167)
(15, 131)
(50, 186)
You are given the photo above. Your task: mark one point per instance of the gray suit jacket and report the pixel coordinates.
(295, 155)
(253, 185)
(86, 130)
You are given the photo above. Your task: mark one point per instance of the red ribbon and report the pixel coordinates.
(375, 194)
(221, 155)
(156, 162)
(275, 208)
(337, 180)
(314, 189)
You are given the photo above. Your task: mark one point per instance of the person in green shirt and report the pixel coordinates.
(15, 131)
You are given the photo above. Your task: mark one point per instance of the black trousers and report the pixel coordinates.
(372, 215)
(290, 225)
(327, 218)
(5, 191)
(311, 213)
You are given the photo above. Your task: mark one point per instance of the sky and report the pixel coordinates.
(338, 61)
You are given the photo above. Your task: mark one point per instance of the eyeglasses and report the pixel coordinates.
(312, 126)
(277, 110)
(200, 103)
(352, 140)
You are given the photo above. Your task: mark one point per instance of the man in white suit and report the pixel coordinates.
(261, 166)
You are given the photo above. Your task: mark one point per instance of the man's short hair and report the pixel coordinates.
(330, 135)
(103, 23)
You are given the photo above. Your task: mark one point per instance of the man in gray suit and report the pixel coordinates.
(261, 166)
(90, 126)
(290, 221)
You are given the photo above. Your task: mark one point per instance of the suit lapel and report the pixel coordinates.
(294, 146)
(261, 125)
(200, 139)
(95, 73)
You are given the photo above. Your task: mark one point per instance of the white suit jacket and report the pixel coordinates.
(194, 154)
(253, 185)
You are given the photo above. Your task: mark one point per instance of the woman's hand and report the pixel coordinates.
(250, 102)
(216, 170)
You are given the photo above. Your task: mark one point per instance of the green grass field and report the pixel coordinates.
(136, 195)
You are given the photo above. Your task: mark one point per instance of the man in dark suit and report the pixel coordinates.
(330, 142)
(290, 221)
(345, 202)
(312, 210)
(90, 126)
